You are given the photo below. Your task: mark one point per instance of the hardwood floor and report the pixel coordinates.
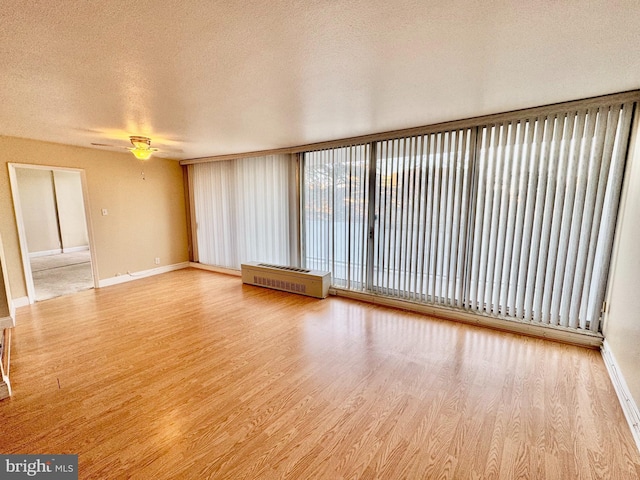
(190, 375)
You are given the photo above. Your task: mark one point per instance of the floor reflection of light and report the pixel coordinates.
(170, 428)
(343, 338)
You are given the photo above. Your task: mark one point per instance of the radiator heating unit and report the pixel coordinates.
(313, 283)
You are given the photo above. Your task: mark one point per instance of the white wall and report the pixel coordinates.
(73, 225)
(52, 209)
(622, 322)
(38, 209)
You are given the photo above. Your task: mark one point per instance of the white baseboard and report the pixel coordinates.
(20, 302)
(7, 322)
(128, 277)
(58, 251)
(82, 248)
(629, 406)
(5, 388)
(44, 253)
(211, 268)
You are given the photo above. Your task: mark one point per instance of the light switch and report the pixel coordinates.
(105, 212)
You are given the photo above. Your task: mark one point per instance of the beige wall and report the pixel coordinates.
(622, 323)
(146, 214)
(73, 228)
(38, 209)
(4, 288)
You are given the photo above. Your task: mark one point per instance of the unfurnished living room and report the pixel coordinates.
(320, 240)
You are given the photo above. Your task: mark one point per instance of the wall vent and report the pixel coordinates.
(289, 279)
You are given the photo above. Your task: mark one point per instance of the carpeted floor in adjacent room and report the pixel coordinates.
(62, 274)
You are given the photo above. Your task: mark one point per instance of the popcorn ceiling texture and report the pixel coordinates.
(206, 78)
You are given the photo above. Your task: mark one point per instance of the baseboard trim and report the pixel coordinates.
(7, 322)
(558, 334)
(629, 406)
(58, 251)
(83, 248)
(5, 387)
(129, 277)
(211, 268)
(20, 302)
(45, 253)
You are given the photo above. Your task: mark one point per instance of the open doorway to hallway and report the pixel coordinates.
(52, 224)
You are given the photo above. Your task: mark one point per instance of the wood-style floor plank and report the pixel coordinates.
(193, 375)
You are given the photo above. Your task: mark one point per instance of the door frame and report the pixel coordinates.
(22, 234)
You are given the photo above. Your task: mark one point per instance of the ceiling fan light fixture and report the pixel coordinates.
(141, 153)
(141, 147)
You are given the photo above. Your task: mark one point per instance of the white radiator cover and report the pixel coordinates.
(313, 283)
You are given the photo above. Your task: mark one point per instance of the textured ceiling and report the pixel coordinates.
(205, 78)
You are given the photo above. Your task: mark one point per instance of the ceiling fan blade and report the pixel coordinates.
(161, 149)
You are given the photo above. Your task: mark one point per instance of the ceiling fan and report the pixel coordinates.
(141, 149)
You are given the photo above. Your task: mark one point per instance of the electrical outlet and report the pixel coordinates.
(157, 260)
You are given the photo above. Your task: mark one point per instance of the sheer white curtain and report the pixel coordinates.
(242, 210)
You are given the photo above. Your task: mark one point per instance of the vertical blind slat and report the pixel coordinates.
(405, 232)
(428, 220)
(424, 167)
(413, 219)
(527, 183)
(446, 216)
(435, 229)
(474, 281)
(452, 293)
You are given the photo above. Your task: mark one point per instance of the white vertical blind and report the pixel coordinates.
(543, 185)
(334, 214)
(242, 210)
(422, 191)
(513, 219)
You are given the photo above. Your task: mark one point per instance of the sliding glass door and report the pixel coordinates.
(335, 189)
(513, 219)
(423, 186)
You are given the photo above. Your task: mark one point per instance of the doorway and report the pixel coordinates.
(53, 228)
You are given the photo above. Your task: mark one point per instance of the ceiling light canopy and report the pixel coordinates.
(141, 147)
